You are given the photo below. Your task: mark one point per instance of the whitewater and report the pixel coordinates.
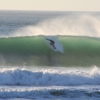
(49, 83)
(30, 69)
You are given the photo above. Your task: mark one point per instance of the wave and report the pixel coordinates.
(22, 38)
(78, 51)
(48, 77)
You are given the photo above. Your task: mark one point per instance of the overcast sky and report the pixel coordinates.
(52, 5)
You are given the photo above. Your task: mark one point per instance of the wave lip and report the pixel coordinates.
(15, 76)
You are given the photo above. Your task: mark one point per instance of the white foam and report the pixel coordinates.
(15, 76)
(46, 93)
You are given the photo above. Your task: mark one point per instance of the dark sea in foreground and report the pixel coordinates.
(30, 69)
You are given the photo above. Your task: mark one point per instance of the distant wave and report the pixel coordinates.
(48, 77)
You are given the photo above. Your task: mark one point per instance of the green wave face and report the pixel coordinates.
(33, 51)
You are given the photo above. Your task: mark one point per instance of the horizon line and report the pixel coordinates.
(48, 10)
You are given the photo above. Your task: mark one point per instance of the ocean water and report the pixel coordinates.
(30, 69)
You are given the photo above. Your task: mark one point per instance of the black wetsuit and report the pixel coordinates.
(52, 43)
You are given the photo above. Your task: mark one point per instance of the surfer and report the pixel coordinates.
(51, 43)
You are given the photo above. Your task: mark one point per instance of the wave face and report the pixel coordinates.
(78, 51)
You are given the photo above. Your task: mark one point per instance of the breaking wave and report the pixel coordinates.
(48, 77)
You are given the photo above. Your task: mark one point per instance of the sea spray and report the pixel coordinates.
(79, 25)
(66, 24)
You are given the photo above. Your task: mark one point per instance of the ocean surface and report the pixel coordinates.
(30, 68)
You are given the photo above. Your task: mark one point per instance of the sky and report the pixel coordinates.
(51, 5)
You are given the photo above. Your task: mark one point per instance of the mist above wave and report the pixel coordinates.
(73, 24)
(80, 25)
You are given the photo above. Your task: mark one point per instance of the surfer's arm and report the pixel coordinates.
(47, 39)
(50, 40)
